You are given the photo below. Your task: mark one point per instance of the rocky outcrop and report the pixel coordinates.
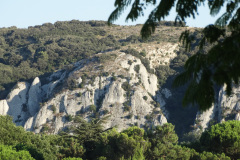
(229, 106)
(17, 102)
(119, 90)
(226, 108)
(204, 118)
(28, 126)
(34, 97)
(3, 107)
(237, 117)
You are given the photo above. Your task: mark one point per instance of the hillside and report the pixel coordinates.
(42, 49)
(54, 73)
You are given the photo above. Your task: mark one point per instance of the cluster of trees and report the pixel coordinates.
(27, 53)
(90, 141)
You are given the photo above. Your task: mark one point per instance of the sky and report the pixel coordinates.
(24, 13)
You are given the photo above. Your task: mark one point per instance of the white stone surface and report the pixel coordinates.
(203, 118)
(106, 94)
(166, 92)
(228, 104)
(3, 107)
(162, 55)
(17, 99)
(34, 97)
(237, 117)
(28, 126)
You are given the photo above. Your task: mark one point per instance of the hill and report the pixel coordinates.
(88, 69)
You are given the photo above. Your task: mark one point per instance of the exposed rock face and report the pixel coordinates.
(34, 97)
(226, 108)
(160, 54)
(28, 126)
(237, 117)
(166, 92)
(229, 105)
(124, 93)
(17, 102)
(3, 107)
(203, 118)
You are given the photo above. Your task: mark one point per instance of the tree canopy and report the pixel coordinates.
(223, 138)
(217, 60)
(88, 141)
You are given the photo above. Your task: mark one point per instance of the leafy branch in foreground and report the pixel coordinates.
(217, 66)
(217, 60)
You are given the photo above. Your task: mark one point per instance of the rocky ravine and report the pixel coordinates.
(116, 86)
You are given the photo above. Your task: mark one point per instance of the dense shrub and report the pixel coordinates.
(126, 86)
(9, 153)
(137, 68)
(223, 138)
(92, 108)
(145, 98)
(37, 145)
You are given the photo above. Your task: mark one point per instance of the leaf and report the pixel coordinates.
(215, 6)
(136, 11)
(212, 33)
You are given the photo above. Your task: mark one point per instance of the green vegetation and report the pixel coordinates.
(27, 53)
(106, 57)
(79, 94)
(93, 108)
(126, 106)
(39, 146)
(137, 68)
(126, 86)
(223, 138)
(143, 53)
(69, 118)
(53, 108)
(9, 153)
(163, 72)
(89, 141)
(145, 98)
(72, 158)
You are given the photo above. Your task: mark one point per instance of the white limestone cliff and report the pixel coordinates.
(203, 118)
(3, 107)
(34, 97)
(39, 108)
(226, 108)
(17, 102)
